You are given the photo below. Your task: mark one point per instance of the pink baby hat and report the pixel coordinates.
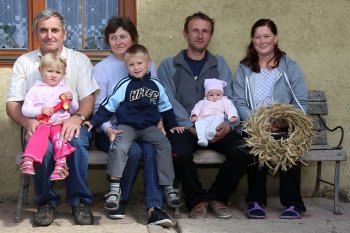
(213, 83)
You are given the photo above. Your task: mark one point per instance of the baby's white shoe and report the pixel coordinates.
(202, 143)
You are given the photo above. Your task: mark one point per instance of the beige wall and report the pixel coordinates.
(315, 33)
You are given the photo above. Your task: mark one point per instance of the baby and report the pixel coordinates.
(210, 112)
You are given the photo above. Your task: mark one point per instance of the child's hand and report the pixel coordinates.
(233, 119)
(68, 95)
(88, 124)
(178, 129)
(160, 126)
(113, 133)
(193, 118)
(48, 111)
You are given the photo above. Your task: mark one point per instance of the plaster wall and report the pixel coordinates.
(315, 33)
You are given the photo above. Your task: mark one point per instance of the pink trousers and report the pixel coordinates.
(38, 143)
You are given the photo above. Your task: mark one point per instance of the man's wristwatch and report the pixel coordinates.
(81, 116)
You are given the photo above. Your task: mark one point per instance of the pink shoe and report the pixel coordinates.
(60, 172)
(27, 167)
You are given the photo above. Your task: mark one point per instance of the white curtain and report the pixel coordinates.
(96, 14)
(13, 24)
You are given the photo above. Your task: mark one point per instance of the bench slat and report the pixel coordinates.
(97, 157)
(208, 157)
(316, 95)
(315, 108)
(325, 155)
(319, 138)
(317, 153)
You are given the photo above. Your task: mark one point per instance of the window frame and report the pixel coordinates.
(9, 56)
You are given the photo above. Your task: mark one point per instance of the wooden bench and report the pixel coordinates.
(319, 152)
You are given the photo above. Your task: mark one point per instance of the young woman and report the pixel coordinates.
(267, 75)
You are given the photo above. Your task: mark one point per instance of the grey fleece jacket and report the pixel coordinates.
(290, 88)
(185, 90)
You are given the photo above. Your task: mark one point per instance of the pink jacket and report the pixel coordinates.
(205, 108)
(42, 95)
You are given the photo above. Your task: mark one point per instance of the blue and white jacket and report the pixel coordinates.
(137, 102)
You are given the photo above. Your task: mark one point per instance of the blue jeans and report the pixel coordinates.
(76, 183)
(138, 152)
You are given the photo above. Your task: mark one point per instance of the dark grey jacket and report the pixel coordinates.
(290, 88)
(185, 90)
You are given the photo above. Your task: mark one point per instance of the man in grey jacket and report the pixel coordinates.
(183, 77)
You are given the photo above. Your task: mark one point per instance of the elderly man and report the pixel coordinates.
(51, 31)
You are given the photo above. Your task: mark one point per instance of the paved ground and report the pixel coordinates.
(318, 219)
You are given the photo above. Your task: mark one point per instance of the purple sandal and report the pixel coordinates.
(291, 212)
(255, 210)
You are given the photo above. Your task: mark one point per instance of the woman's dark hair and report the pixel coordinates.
(116, 22)
(252, 59)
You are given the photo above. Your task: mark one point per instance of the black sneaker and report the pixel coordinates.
(45, 215)
(82, 214)
(159, 217)
(118, 213)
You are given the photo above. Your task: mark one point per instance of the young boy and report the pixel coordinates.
(139, 102)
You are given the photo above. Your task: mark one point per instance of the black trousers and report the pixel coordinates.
(289, 185)
(229, 174)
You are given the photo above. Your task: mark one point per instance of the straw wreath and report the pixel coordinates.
(285, 152)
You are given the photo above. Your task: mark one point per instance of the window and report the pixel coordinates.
(13, 25)
(85, 20)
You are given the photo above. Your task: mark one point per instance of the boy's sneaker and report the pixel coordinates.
(112, 199)
(172, 197)
(159, 217)
(118, 213)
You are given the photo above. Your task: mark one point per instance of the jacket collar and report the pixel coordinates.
(179, 60)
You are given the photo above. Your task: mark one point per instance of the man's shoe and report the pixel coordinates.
(159, 217)
(45, 215)
(82, 214)
(119, 213)
(199, 210)
(220, 210)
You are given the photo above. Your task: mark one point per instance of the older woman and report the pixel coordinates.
(120, 34)
(267, 75)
